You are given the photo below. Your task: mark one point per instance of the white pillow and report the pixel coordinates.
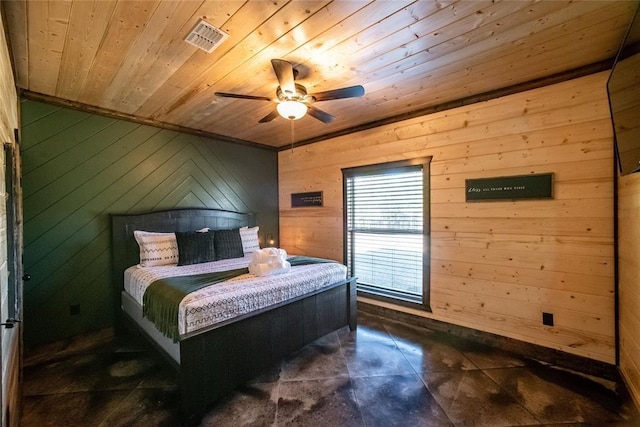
(250, 241)
(157, 248)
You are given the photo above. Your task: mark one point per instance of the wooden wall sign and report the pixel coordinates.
(300, 200)
(538, 186)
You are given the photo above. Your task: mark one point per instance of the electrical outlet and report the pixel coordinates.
(74, 309)
(547, 319)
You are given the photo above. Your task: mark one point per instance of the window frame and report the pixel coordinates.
(391, 167)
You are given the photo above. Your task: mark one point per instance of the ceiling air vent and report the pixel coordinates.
(205, 36)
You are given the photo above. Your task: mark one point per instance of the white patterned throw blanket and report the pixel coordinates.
(237, 296)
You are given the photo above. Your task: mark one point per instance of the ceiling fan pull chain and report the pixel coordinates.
(292, 135)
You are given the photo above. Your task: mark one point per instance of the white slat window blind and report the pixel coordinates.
(385, 229)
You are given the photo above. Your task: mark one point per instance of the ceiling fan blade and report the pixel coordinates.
(320, 115)
(284, 73)
(345, 92)
(272, 115)
(236, 95)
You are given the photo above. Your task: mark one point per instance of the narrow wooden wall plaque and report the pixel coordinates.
(299, 200)
(538, 186)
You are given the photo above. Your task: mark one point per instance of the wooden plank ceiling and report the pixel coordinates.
(130, 57)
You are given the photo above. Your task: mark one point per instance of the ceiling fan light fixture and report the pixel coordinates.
(292, 98)
(292, 110)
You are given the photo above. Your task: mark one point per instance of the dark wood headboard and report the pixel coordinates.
(124, 248)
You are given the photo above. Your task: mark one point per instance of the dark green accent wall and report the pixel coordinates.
(79, 167)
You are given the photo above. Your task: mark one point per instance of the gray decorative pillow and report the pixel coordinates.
(228, 244)
(195, 247)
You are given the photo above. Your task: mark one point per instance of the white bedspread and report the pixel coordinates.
(237, 296)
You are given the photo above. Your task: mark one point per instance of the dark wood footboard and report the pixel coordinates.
(216, 362)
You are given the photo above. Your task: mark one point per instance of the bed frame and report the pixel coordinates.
(214, 361)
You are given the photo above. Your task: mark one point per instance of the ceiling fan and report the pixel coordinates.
(292, 100)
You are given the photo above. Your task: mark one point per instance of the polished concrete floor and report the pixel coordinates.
(384, 374)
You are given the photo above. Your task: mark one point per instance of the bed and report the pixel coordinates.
(215, 358)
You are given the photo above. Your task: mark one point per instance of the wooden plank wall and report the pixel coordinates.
(494, 266)
(629, 278)
(79, 167)
(10, 337)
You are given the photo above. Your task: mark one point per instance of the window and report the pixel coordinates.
(386, 209)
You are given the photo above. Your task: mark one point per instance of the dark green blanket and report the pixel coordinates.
(161, 299)
(306, 260)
